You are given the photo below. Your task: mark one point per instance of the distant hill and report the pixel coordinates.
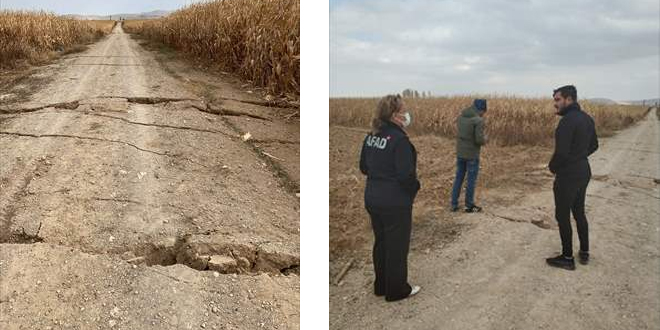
(147, 15)
(645, 102)
(602, 100)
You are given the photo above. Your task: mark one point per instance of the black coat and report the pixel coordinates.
(575, 140)
(389, 161)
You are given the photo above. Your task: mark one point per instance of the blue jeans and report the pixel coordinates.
(472, 168)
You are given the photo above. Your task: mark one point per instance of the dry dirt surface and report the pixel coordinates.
(129, 201)
(494, 276)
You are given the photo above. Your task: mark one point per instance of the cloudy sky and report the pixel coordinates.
(95, 7)
(607, 48)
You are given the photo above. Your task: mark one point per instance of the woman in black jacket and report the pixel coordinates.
(389, 161)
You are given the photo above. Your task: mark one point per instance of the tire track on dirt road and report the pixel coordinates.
(494, 276)
(122, 205)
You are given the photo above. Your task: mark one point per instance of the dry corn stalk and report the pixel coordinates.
(32, 36)
(258, 39)
(509, 120)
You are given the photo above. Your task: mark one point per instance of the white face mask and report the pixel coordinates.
(407, 119)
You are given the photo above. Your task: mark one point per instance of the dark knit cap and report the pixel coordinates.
(480, 104)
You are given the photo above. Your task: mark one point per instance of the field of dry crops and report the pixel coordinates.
(33, 36)
(512, 165)
(257, 39)
(510, 120)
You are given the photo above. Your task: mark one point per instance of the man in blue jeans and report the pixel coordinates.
(468, 146)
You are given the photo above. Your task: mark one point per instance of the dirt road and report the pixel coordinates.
(129, 198)
(494, 275)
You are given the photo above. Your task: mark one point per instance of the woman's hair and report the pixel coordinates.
(387, 106)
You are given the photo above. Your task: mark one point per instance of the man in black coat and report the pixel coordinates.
(575, 140)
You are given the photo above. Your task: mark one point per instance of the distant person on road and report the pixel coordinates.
(575, 140)
(389, 161)
(469, 140)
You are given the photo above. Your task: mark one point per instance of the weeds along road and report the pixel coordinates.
(494, 276)
(128, 201)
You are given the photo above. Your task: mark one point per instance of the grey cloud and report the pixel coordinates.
(472, 45)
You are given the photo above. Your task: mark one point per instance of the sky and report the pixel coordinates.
(606, 48)
(95, 7)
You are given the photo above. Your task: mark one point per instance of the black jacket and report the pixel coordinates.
(575, 139)
(389, 161)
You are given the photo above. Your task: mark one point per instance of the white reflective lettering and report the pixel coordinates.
(376, 142)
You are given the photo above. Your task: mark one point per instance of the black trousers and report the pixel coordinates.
(390, 254)
(569, 197)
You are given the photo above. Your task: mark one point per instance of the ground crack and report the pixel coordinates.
(9, 212)
(273, 141)
(3, 119)
(538, 223)
(163, 125)
(102, 140)
(118, 200)
(222, 257)
(219, 110)
(270, 104)
(105, 64)
(22, 237)
(152, 100)
(75, 104)
(157, 125)
(62, 105)
(285, 179)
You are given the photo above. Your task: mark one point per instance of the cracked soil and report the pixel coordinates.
(131, 200)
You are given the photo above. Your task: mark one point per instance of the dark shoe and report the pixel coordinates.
(583, 257)
(454, 208)
(561, 262)
(473, 209)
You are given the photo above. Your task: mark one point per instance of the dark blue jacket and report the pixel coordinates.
(575, 140)
(389, 161)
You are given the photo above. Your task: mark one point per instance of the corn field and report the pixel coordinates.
(32, 36)
(257, 39)
(509, 120)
